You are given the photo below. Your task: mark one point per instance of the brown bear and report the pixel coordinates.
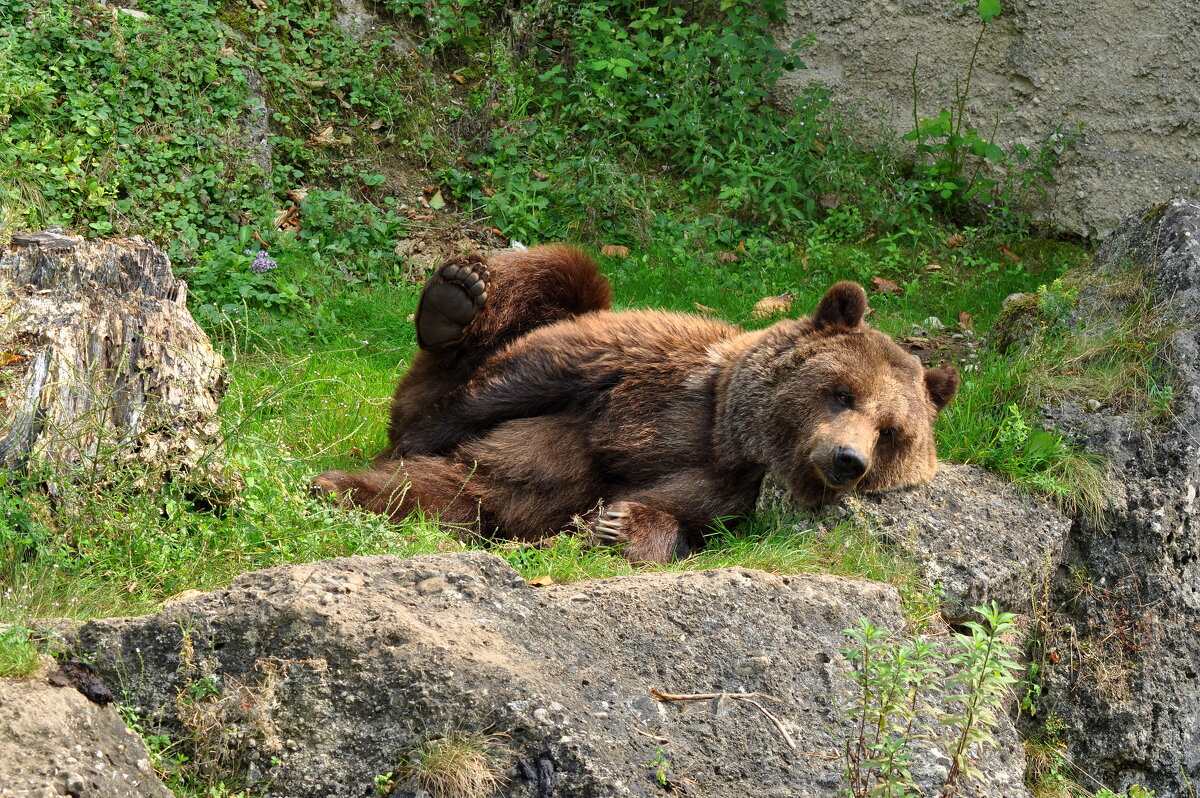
(531, 403)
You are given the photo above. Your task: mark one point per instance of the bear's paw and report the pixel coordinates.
(453, 296)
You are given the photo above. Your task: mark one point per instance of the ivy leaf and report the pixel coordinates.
(989, 9)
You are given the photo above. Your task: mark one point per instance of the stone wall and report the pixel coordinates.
(1127, 70)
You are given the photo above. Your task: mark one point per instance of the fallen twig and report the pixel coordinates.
(657, 738)
(771, 717)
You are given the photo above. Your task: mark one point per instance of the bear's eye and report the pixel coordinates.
(843, 397)
(887, 434)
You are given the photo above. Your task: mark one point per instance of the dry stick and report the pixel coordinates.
(749, 699)
(657, 738)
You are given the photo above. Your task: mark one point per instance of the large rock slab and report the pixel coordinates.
(54, 742)
(1124, 69)
(1122, 652)
(340, 669)
(975, 537)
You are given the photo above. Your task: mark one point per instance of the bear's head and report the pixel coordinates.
(832, 405)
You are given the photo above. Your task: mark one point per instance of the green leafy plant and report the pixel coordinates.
(385, 782)
(1025, 451)
(902, 690)
(944, 135)
(112, 123)
(953, 156)
(638, 85)
(890, 677)
(1134, 791)
(448, 25)
(986, 671)
(661, 767)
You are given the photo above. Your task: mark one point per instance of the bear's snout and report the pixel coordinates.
(847, 466)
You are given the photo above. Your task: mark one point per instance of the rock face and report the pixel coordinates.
(1124, 69)
(54, 742)
(319, 677)
(99, 356)
(1126, 645)
(977, 537)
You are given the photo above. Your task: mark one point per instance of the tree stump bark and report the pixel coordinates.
(100, 361)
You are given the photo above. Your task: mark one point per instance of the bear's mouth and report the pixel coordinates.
(815, 487)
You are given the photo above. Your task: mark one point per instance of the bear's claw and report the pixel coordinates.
(609, 528)
(453, 296)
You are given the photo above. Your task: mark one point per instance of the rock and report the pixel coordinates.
(973, 535)
(355, 18)
(1124, 69)
(1018, 324)
(255, 123)
(322, 676)
(101, 360)
(1122, 651)
(360, 20)
(54, 742)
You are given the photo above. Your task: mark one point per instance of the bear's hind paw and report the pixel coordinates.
(453, 296)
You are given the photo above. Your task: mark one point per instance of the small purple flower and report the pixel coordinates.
(263, 262)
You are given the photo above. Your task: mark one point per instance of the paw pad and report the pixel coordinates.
(453, 296)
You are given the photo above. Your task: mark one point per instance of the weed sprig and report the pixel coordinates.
(904, 694)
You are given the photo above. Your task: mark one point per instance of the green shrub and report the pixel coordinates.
(966, 165)
(904, 692)
(114, 123)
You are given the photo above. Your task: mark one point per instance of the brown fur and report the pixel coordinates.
(650, 424)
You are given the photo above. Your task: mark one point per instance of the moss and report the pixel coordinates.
(1155, 212)
(1018, 323)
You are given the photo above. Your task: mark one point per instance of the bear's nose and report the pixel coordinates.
(848, 464)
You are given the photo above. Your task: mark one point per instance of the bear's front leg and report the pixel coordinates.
(649, 534)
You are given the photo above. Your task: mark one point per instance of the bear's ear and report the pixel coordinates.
(843, 305)
(942, 383)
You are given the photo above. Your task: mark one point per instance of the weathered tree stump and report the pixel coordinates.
(100, 361)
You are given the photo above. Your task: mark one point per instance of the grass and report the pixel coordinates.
(986, 424)
(1115, 362)
(20, 655)
(458, 765)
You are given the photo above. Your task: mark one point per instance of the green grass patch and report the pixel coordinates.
(1116, 361)
(19, 652)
